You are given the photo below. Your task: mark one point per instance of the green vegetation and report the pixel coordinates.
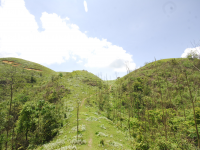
(154, 107)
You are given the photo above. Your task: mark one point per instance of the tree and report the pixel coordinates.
(26, 122)
(191, 98)
(33, 79)
(38, 123)
(2, 125)
(61, 75)
(11, 73)
(78, 104)
(193, 54)
(161, 96)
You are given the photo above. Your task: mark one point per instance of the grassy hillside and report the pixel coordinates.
(153, 107)
(158, 99)
(27, 65)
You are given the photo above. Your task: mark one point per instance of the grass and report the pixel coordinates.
(96, 131)
(92, 122)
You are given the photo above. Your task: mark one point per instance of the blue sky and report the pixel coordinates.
(100, 36)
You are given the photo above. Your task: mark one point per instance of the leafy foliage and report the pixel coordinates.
(38, 122)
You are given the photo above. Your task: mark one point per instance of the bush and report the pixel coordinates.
(197, 114)
(102, 142)
(92, 118)
(80, 128)
(1, 141)
(124, 87)
(68, 148)
(137, 86)
(164, 145)
(78, 142)
(33, 79)
(28, 122)
(23, 98)
(115, 144)
(52, 146)
(103, 127)
(192, 55)
(101, 134)
(61, 75)
(142, 146)
(187, 64)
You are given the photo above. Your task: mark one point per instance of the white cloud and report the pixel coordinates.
(85, 6)
(19, 37)
(80, 61)
(67, 18)
(188, 50)
(74, 57)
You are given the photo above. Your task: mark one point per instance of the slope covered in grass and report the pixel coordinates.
(157, 102)
(149, 108)
(20, 63)
(96, 131)
(35, 104)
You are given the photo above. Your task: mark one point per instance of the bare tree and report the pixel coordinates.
(78, 103)
(161, 96)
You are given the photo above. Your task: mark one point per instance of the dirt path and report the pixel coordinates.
(83, 101)
(91, 134)
(90, 142)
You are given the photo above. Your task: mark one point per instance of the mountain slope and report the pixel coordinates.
(27, 65)
(149, 108)
(160, 97)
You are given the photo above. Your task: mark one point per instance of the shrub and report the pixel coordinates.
(28, 122)
(102, 142)
(115, 144)
(33, 79)
(80, 127)
(103, 127)
(73, 147)
(138, 86)
(23, 98)
(61, 75)
(197, 113)
(174, 62)
(101, 134)
(164, 145)
(77, 142)
(143, 146)
(92, 118)
(187, 64)
(52, 146)
(192, 55)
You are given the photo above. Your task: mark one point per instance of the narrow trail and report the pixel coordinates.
(90, 142)
(83, 101)
(90, 133)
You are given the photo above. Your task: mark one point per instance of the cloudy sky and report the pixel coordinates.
(100, 36)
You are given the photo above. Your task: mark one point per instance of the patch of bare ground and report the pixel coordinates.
(7, 62)
(16, 64)
(90, 142)
(11, 62)
(32, 69)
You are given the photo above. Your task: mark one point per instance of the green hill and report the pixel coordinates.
(149, 108)
(20, 63)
